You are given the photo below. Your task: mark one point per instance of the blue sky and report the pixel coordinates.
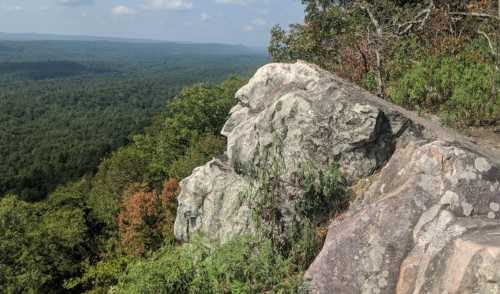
(225, 21)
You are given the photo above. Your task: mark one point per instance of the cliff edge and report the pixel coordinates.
(426, 214)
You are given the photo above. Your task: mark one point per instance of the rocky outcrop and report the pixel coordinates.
(307, 114)
(427, 223)
(210, 203)
(426, 218)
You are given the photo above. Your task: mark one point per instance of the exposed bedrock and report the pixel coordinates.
(426, 220)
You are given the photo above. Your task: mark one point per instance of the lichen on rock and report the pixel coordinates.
(427, 221)
(313, 117)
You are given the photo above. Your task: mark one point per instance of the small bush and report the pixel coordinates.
(324, 192)
(316, 195)
(460, 88)
(99, 277)
(243, 265)
(200, 151)
(171, 270)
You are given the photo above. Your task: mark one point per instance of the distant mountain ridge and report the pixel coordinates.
(57, 37)
(117, 51)
(26, 37)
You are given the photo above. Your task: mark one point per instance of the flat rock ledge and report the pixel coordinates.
(426, 218)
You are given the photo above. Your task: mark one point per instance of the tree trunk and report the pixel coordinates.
(496, 57)
(379, 46)
(378, 66)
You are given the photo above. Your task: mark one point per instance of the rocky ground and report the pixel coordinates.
(489, 137)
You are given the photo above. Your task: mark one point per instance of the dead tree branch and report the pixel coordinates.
(475, 14)
(379, 43)
(420, 19)
(490, 43)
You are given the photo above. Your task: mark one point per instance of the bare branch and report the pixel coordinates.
(490, 43)
(408, 26)
(428, 13)
(475, 14)
(373, 19)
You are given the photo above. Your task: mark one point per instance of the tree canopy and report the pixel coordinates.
(434, 56)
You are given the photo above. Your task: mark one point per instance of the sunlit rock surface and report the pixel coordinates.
(426, 218)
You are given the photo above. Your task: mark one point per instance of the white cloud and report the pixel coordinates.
(259, 22)
(122, 10)
(264, 11)
(248, 28)
(234, 2)
(14, 8)
(254, 25)
(74, 3)
(168, 4)
(204, 17)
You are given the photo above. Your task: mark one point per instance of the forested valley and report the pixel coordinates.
(93, 145)
(83, 123)
(64, 105)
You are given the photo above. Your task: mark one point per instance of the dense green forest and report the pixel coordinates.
(108, 51)
(110, 229)
(64, 105)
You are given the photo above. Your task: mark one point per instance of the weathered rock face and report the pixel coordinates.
(427, 219)
(306, 113)
(210, 203)
(427, 223)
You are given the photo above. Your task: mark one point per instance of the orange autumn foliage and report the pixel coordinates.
(479, 5)
(357, 61)
(170, 191)
(146, 218)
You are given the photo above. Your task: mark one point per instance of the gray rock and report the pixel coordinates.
(415, 221)
(426, 222)
(210, 204)
(311, 117)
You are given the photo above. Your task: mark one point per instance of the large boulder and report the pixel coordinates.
(309, 116)
(426, 218)
(427, 223)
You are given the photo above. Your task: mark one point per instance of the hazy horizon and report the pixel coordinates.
(31, 36)
(237, 22)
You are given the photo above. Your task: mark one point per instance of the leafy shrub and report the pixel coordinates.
(324, 192)
(42, 244)
(146, 218)
(243, 265)
(170, 270)
(459, 87)
(100, 276)
(200, 151)
(316, 195)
